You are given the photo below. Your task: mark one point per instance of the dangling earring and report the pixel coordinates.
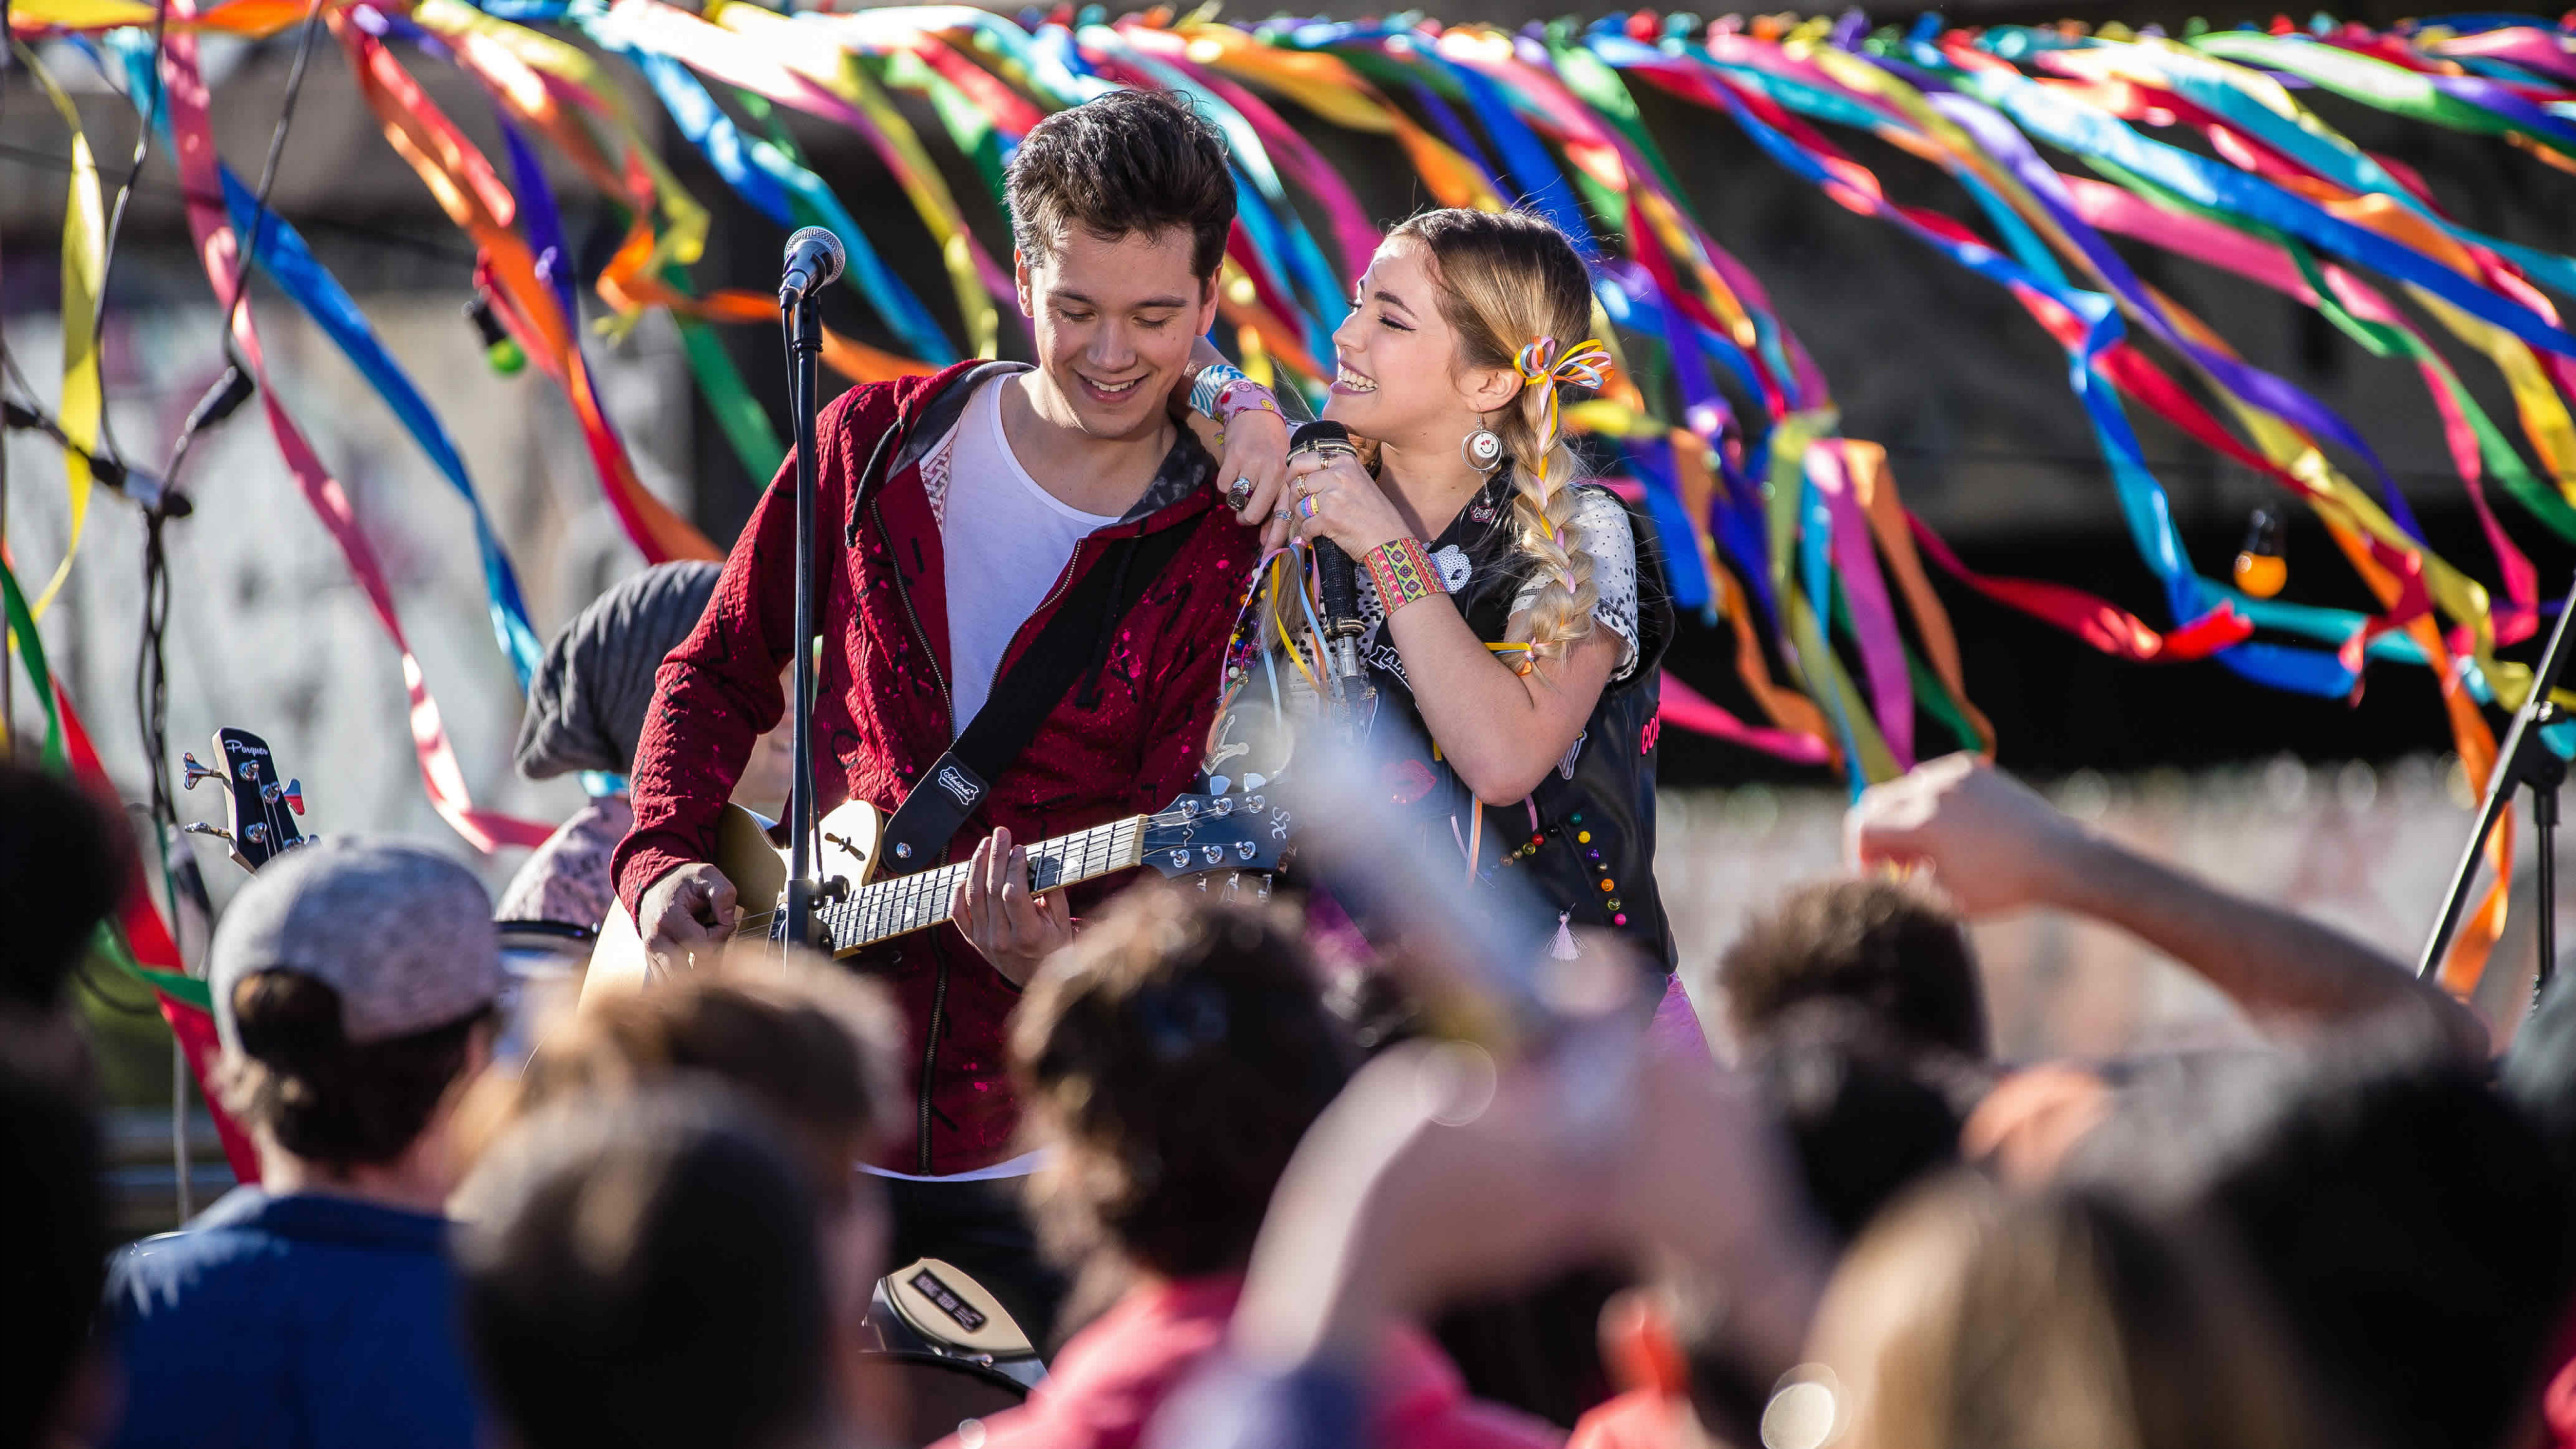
(1483, 448)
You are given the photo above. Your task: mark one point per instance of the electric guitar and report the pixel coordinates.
(1237, 835)
(262, 811)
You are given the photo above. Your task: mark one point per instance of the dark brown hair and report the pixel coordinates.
(1126, 162)
(1891, 949)
(806, 1043)
(323, 1096)
(646, 1272)
(1172, 1057)
(65, 861)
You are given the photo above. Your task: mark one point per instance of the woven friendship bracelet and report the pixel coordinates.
(1402, 573)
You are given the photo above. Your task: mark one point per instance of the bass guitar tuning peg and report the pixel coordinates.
(292, 792)
(196, 772)
(199, 827)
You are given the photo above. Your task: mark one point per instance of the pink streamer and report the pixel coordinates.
(1693, 711)
(1873, 619)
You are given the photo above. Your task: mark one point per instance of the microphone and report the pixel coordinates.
(815, 258)
(1334, 569)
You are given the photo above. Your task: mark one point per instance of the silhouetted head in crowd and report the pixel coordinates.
(1967, 1319)
(1864, 1118)
(53, 1216)
(1864, 1121)
(65, 860)
(814, 1048)
(2408, 1224)
(354, 985)
(1891, 949)
(809, 1046)
(2540, 1071)
(1171, 1058)
(645, 1272)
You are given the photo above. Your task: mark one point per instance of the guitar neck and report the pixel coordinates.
(916, 902)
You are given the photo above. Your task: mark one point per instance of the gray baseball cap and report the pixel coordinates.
(403, 934)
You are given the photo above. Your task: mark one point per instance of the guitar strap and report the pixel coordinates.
(1073, 646)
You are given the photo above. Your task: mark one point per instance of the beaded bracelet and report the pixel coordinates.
(1402, 573)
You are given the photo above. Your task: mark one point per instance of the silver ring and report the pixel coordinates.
(1239, 494)
(1279, 515)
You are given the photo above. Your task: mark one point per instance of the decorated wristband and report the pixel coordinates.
(1222, 392)
(1402, 573)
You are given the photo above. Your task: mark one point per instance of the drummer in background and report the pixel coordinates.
(586, 711)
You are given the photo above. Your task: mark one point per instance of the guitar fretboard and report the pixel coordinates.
(916, 902)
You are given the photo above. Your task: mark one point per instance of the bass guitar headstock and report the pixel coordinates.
(260, 811)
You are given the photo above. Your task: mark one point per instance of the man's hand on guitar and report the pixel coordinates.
(691, 907)
(1014, 927)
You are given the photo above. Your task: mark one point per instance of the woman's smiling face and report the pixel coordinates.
(1396, 377)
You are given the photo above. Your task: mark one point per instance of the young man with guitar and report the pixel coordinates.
(1027, 578)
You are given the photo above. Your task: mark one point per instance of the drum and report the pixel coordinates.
(543, 961)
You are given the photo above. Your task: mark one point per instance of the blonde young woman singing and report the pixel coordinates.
(1502, 596)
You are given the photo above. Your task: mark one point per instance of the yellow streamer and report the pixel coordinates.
(84, 261)
(2544, 417)
(820, 59)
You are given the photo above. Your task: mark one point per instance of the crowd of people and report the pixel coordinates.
(1283, 1200)
(1428, 1147)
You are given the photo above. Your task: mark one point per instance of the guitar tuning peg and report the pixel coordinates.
(292, 792)
(199, 827)
(195, 772)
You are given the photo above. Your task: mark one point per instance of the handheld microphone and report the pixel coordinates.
(1334, 569)
(815, 258)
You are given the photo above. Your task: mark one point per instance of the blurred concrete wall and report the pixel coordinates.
(2367, 850)
(268, 630)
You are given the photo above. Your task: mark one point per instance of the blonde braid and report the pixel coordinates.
(1545, 500)
(1544, 472)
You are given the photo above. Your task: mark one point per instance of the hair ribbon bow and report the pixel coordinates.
(1586, 365)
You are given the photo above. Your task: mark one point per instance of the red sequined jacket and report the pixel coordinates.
(1126, 740)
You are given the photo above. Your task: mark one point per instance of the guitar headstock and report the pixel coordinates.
(1240, 830)
(261, 811)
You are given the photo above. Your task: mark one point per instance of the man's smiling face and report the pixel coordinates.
(1115, 323)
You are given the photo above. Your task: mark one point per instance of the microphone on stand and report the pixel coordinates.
(815, 258)
(1335, 571)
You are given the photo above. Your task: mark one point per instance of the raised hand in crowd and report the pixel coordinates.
(1994, 846)
(1439, 1174)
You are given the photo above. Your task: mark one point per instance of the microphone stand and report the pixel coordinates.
(802, 317)
(2523, 760)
